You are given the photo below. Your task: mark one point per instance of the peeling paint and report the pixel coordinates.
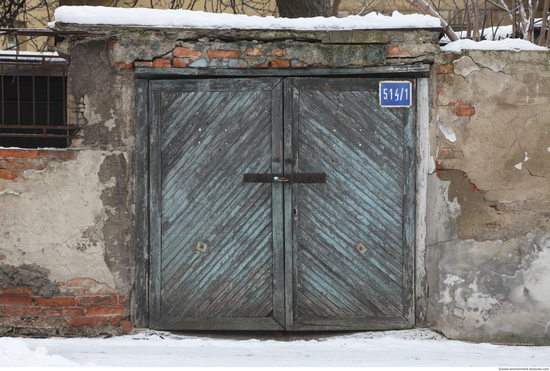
(110, 124)
(448, 132)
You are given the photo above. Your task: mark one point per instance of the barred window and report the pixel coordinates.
(33, 94)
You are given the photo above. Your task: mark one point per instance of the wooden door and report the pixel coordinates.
(231, 255)
(351, 238)
(216, 245)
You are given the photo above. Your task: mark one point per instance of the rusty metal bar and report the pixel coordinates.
(18, 99)
(2, 74)
(33, 99)
(48, 101)
(64, 96)
(290, 178)
(38, 32)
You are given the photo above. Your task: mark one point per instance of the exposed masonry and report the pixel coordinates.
(488, 244)
(80, 307)
(14, 161)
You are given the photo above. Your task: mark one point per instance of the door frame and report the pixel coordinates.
(141, 293)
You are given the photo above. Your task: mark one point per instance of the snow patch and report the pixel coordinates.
(97, 15)
(14, 352)
(507, 44)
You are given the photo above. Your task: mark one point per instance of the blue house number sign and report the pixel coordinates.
(395, 93)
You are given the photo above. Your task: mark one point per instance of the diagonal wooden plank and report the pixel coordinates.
(375, 290)
(228, 257)
(358, 119)
(355, 218)
(319, 124)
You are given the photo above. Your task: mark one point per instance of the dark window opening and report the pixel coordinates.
(33, 98)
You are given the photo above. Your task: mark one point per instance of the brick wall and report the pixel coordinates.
(249, 55)
(220, 56)
(83, 307)
(15, 161)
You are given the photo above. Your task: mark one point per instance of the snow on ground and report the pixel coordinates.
(97, 15)
(408, 348)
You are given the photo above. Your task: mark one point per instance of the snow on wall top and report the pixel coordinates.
(139, 17)
(507, 44)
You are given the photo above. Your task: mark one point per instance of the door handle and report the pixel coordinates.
(290, 178)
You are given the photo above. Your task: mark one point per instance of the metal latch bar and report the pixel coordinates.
(290, 178)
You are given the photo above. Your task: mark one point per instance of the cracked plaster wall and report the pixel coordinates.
(488, 240)
(74, 219)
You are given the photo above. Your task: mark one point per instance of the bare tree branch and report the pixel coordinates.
(426, 9)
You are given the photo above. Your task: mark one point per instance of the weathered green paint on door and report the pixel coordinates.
(232, 255)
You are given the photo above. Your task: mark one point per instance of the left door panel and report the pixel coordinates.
(216, 242)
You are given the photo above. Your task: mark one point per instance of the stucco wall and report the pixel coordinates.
(488, 242)
(66, 253)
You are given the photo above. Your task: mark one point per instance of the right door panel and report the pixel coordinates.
(349, 241)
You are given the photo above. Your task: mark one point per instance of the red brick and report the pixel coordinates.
(277, 52)
(394, 50)
(2, 257)
(121, 66)
(465, 111)
(17, 291)
(179, 63)
(8, 175)
(445, 68)
(186, 52)
(44, 322)
(143, 64)
(262, 65)
(18, 153)
(17, 165)
(11, 321)
(108, 309)
(87, 301)
(73, 291)
(115, 320)
(21, 311)
(101, 290)
(162, 63)
(222, 54)
(126, 326)
(121, 299)
(280, 63)
(87, 321)
(112, 44)
(445, 153)
(254, 52)
(55, 302)
(64, 312)
(61, 154)
(81, 282)
(15, 300)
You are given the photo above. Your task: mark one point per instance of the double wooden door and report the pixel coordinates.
(233, 255)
